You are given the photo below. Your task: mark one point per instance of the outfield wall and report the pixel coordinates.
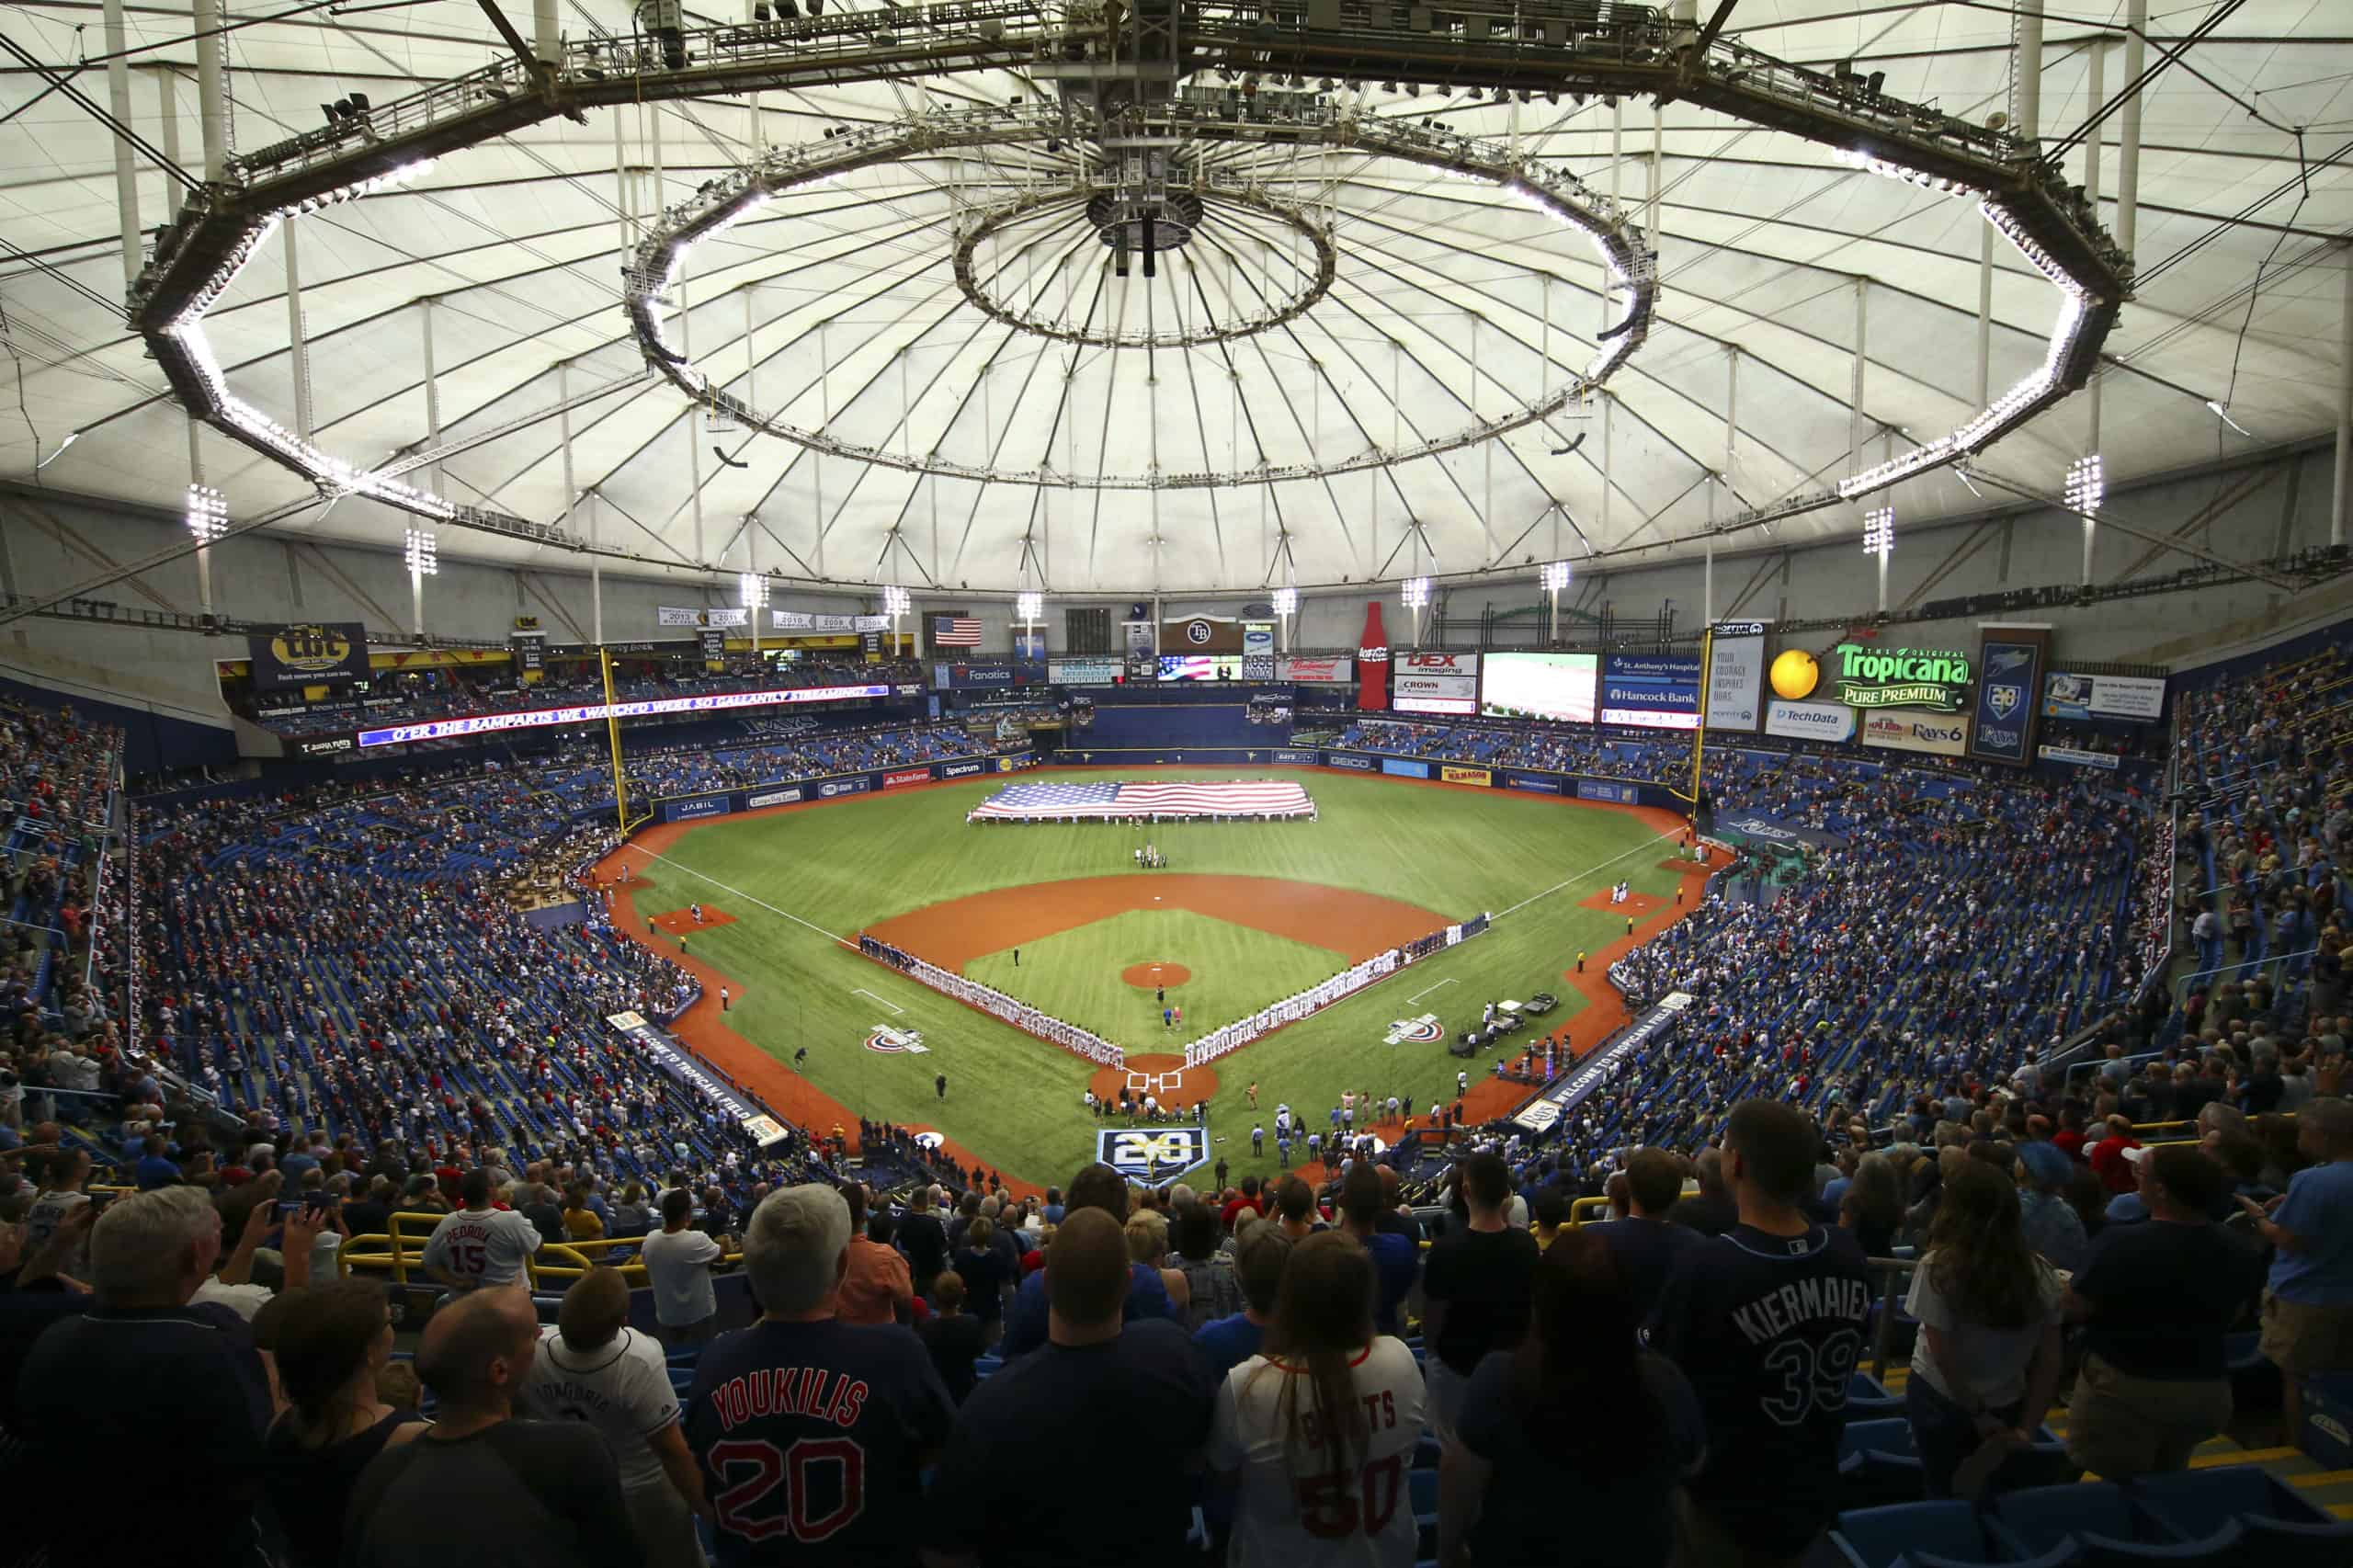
(831, 786)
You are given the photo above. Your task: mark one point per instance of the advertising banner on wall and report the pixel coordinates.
(1809, 721)
(1405, 767)
(321, 653)
(1373, 661)
(2066, 696)
(2107, 761)
(1084, 672)
(1258, 637)
(1736, 675)
(1316, 671)
(714, 646)
(1603, 790)
(1654, 691)
(1480, 776)
(1202, 634)
(1900, 677)
(1539, 783)
(531, 651)
(1539, 686)
(1434, 683)
(1939, 734)
(1200, 667)
(2009, 681)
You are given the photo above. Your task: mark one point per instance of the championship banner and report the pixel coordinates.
(1937, 735)
(1654, 691)
(1316, 672)
(1372, 662)
(1736, 675)
(1481, 775)
(2009, 680)
(2138, 697)
(1202, 634)
(317, 653)
(799, 620)
(671, 615)
(1434, 683)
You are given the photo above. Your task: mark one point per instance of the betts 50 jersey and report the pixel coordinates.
(812, 1437)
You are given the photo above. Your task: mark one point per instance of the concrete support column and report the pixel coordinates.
(2341, 494)
(126, 172)
(2025, 71)
(297, 347)
(2128, 152)
(211, 91)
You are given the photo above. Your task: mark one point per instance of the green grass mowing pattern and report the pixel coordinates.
(1235, 972)
(1015, 1101)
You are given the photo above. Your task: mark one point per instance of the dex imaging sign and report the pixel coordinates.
(1901, 678)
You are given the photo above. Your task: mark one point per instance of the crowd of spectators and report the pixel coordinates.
(1644, 755)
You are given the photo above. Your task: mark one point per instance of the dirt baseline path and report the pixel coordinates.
(1357, 924)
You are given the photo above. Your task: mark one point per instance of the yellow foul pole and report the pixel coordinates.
(1700, 730)
(613, 734)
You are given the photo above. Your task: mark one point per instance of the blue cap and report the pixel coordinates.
(2046, 1163)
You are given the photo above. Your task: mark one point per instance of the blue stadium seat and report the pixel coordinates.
(2039, 1519)
(2057, 1557)
(1867, 1399)
(2296, 1543)
(1877, 1538)
(2195, 1504)
(2225, 1549)
(1894, 1436)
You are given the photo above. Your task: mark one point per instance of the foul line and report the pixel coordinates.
(1426, 990)
(862, 990)
(748, 898)
(1641, 848)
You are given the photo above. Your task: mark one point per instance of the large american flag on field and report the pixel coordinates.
(955, 632)
(1235, 797)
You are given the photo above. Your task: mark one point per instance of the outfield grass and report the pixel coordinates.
(1235, 972)
(1017, 1101)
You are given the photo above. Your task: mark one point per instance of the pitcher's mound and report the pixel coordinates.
(1171, 1084)
(1147, 976)
(681, 923)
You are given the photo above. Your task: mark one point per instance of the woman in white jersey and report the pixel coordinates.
(1320, 1429)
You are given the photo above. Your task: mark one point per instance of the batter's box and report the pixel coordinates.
(1157, 1083)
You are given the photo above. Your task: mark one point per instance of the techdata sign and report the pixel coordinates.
(1901, 678)
(1936, 735)
(2067, 696)
(1152, 1153)
(1653, 691)
(2009, 679)
(1809, 721)
(1736, 675)
(1434, 683)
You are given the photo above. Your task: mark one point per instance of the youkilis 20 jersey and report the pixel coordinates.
(812, 1438)
(1769, 1329)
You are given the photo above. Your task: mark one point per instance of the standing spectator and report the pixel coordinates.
(988, 1279)
(581, 1223)
(1098, 1372)
(1532, 1452)
(1872, 1206)
(954, 1336)
(2051, 1227)
(1711, 1210)
(876, 1287)
(1476, 1288)
(1643, 1246)
(1987, 1358)
(2157, 1300)
(1320, 1427)
(332, 1342)
(859, 1409)
(924, 1239)
(1766, 1321)
(1396, 1261)
(2308, 1301)
(90, 1386)
(534, 1202)
(593, 1367)
(678, 1261)
(479, 1486)
(2116, 1172)
(479, 1245)
(1211, 1291)
(1028, 1322)
(1227, 1342)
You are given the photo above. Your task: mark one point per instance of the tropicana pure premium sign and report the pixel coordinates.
(1901, 678)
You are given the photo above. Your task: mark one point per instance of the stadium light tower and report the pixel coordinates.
(207, 520)
(1415, 591)
(1029, 608)
(2087, 488)
(895, 603)
(1879, 539)
(1286, 603)
(422, 551)
(1554, 576)
(752, 593)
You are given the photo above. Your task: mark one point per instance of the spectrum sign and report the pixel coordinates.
(1901, 677)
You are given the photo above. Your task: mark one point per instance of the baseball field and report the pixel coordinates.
(1243, 913)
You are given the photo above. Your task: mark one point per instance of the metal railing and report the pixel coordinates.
(399, 1253)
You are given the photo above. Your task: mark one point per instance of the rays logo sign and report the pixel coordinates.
(895, 1042)
(1424, 1031)
(1152, 1154)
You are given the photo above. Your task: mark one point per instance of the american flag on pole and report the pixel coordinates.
(955, 632)
(1064, 802)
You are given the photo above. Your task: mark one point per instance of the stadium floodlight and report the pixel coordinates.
(896, 602)
(422, 551)
(2086, 484)
(1879, 532)
(1415, 591)
(1030, 607)
(752, 591)
(1554, 575)
(1285, 602)
(207, 512)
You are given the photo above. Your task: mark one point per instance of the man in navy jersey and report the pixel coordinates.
(1766, 1321)
(812, 1433)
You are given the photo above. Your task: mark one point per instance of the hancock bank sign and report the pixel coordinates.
(1901, 678)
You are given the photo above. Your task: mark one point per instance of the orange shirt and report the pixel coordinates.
(873, 1285)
